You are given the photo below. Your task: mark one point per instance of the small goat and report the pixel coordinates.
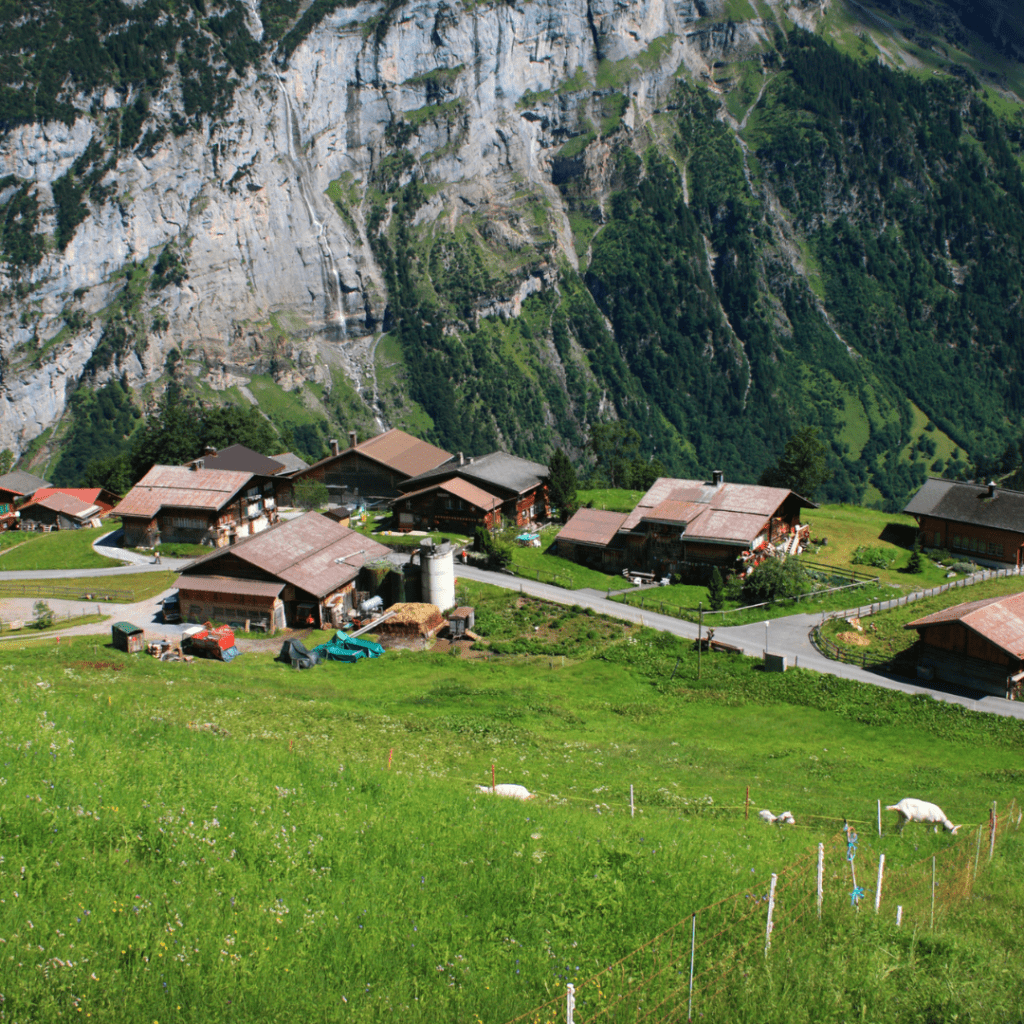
(508, 789)
(920, 810)
(785, 818)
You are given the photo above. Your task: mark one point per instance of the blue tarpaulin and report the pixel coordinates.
(346, 648)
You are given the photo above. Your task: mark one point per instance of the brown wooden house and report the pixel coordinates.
(689, 527)
(521, 485)
(374, 469)
(982, 522)
(194, 505)
(979, 644)
(300, 572)
(455, 505)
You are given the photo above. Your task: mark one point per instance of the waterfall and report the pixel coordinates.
(329, 272)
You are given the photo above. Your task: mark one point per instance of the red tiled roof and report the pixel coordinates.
(461, 489)
(181, 487)
(65, 504)
(998, 619)
(90, 495)
(304, 551)
(228, 585)
(592, 526)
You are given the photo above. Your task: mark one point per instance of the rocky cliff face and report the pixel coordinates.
(280, 273)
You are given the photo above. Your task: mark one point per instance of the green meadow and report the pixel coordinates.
(244, 842)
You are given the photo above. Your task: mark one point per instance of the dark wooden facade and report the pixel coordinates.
(971, 540)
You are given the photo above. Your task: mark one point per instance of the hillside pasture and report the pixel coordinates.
(240, 842)
(62, 549)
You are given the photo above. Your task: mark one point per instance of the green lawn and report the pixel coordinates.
(848, 527)
(65, 549)
(610, 498)
(215, 843)
(131, 587)
(538, 564)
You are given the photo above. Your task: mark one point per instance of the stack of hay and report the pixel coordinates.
(411, 621)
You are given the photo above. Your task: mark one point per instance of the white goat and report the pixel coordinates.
(508, 789)
(785, 818)
(920, 810)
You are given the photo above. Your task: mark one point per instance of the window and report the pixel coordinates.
(995, 549)
(187, 524)
(938, 539)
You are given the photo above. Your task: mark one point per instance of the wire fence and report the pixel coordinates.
(689, 967)
(85, 589)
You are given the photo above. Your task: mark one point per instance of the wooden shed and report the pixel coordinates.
(128, 637)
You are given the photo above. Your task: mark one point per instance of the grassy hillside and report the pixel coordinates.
(65, 549)
(241, 842)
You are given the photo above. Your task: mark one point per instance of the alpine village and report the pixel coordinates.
(511, 512)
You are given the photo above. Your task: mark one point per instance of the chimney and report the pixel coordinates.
(991, 488)
(210, 451)
(198, 464)
(334, 445)
(717, 477)
(352, 439)
(462, 459)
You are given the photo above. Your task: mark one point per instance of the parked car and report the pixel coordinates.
(172, 608)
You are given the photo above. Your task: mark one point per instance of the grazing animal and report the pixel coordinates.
(785, 818)
(920, 810)
(508, 789)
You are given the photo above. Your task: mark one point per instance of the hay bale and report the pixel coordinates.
(412, 619)
(855, 639)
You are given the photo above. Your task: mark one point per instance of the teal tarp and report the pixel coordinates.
(346, 648)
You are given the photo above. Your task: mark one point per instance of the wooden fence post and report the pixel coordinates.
(771, 911)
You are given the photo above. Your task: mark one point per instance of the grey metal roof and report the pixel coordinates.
(291, 462)
(496, 470)
(304, 551)
(969, 503)
(21, 482)
(243, 460)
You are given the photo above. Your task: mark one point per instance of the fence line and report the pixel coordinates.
(877, 660)
(83, 591)
(656, 981)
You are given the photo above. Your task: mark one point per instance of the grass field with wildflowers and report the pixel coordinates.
(209, 842)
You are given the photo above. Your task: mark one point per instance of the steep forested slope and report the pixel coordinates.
(709, 223)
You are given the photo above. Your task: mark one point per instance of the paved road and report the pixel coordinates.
(789, 636)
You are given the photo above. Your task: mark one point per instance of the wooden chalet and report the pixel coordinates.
(979, 645)
(375, 469)
(456, 505)
(689, 527)
(519, 485)
(58, 510)
(195, 505)
(300, 572)
(18, 486)
(982, 522)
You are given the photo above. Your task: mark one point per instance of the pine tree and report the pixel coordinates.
(562, 484)
(716, 590)
(916, 563)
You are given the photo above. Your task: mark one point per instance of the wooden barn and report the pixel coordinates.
(979, 645)
(984, 523)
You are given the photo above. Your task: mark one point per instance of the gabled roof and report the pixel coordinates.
(243, 460)
(291, 462)
(397, 450)
(498, 470)
(592, 526)
(461, 489)
(64, 504)
(969, 503)
(670, 495)
(181, 487)
(90, 495)
(720, 527)
(21, 482)
(303, 551)
(999, 620)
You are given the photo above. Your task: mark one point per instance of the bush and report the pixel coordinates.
(964, 567)
(879, 558)
(774, 580)
(716, 590)
(311, 494)
(44, 615)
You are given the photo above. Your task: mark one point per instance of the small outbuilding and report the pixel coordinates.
(128, 637)
(461, 620)
(979, 645)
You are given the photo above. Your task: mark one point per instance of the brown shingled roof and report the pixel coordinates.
(228, 585)
(64, 504)
(592, 526)
(304, 551)
(998, 619)
(181, 487)
(461, 489)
